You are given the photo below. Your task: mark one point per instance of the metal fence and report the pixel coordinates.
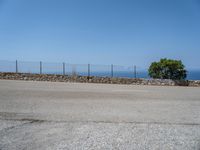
(73, 69)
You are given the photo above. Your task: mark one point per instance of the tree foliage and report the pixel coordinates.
(168, 69)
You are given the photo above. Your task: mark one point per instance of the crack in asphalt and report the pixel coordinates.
(31, 121)
(26, 121)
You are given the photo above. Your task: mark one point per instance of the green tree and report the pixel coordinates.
(168, 69)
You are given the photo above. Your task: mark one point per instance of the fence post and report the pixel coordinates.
(74, 70)
(135, 74)
(88, 70)
(16, 65)
(63, 68)
(40, 67)
(111, 70)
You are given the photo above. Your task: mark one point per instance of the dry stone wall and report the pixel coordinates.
(93, 79)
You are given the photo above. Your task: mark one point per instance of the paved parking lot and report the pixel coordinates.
(48, 115)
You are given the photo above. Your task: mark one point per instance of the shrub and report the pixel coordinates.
(168, 69)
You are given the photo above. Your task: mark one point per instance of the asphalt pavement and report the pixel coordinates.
(56, 115)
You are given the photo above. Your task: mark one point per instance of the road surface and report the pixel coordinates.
(55, 115)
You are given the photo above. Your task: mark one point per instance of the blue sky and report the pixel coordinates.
(123, 32)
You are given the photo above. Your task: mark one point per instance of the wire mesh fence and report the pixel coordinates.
(7, 66)
(27, 67)
(73, 69)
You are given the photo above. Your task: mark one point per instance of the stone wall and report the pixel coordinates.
(84, 79)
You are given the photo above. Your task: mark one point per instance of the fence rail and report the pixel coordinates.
(72, 69)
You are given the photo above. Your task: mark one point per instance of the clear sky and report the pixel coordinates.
(123, 32)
